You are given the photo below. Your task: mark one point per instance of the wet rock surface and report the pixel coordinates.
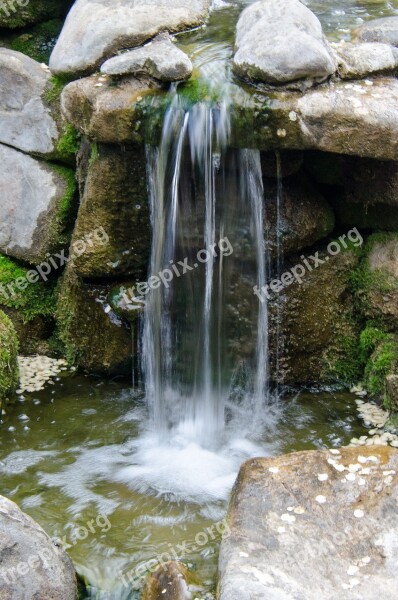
(31, 565)
(312, 525)
(357, 61)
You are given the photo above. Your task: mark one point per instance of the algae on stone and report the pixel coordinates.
(9, 374)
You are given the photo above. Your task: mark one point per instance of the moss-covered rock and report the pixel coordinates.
(94, 338)
(8, 358)
(319, 331)
(115, 198)
(382, 363)
(375, 280)
(21, 13)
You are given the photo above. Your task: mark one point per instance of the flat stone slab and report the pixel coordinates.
(313, 525)
(96, 29)
(160, 59)
(357, 61)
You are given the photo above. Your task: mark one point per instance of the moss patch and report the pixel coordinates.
(35, 11)
(38, 42)
(37, 299)
(8, 358)
(69, 143)
(383, 361)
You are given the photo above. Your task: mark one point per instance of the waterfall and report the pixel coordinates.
(200, 356)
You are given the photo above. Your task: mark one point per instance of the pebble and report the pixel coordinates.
(323, 477)
(273, 470)
(288, 518)
(320, 499)
(358, 513)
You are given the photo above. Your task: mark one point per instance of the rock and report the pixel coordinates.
(168, 582)
(339, 539)
(382, 364)
(33, 334)
(37, 203)
(376, 280)
(25, 120)
(305, 215)
(25, 12)
(115, 197)
(31, 565)
(281, 42)
(392, 392)
(318, 334)
(95, 339)
(8, 361)
(371, 182)
(356, 61)
(383, 30)
(105, 111)
(159, 59)
(96, 29)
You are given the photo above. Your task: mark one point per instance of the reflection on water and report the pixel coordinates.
(84, 448)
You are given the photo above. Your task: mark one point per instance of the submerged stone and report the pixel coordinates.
(97, 29)
(160, 59)
(353, 533)
(280, 42)
(168, 582)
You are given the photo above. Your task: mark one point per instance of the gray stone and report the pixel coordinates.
(25, 120)
(280, 42)
(383, 30)
(31, 566)
(31, 203)
(97, 29)
(292, 536)
(160, 59)
(356, 61)
(168, 582)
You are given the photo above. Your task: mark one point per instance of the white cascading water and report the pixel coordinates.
(201, 193)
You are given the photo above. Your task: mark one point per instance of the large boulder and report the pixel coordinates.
(31, 566)
(36, 208)
(114, 197)
(312, 525)
(383, 30)
(106, 111)
(280, 42)
(21, 13)
(160, 59)
(25, 119)
(8, 360)
(96, 29)
(356, 61)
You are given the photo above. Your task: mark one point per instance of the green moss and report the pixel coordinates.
(36, 299)
(62, 225)
(383, 361)
(69, 142)
(9, 375)
(54, 90)
(343, 360)
(38, 42)
(370, 337)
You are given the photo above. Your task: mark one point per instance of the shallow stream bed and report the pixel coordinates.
(79, 458)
